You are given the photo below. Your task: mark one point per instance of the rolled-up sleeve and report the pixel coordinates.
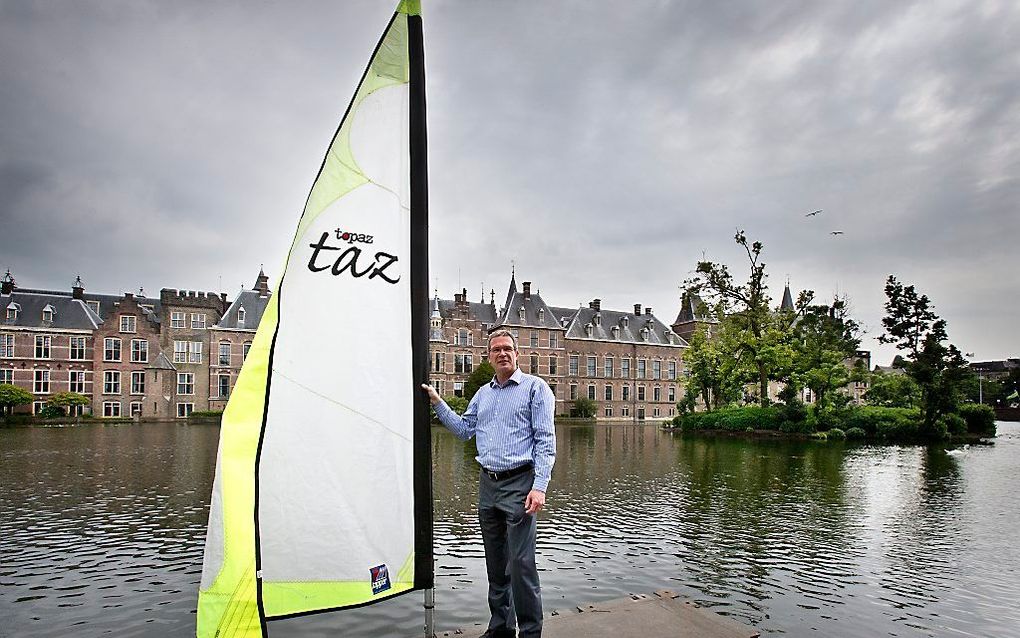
(543, 412)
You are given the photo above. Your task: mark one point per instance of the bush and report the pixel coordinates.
(980, 419)
(583, 408)
(202, 413)
(51, 412)
(835, 434)
(457, 404)
(885, 423)
(855, 434)
(953, 424)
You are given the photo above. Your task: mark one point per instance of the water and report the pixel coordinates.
(102, 527)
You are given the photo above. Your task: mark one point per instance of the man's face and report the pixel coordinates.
(502, 355)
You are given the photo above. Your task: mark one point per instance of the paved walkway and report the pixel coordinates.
(662, 615)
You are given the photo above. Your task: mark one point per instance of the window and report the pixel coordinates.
(641, 393)
(185, 383)
(592, 370)
(609, 392)
(552, 339)
(6, 345)
(180, 351)
(655, 411)
(111, 349)
(640, 414)
(42, 346)
(608, 368)
(458, 388)
(573, 365)
(198, 320)
(76, 381)
(138, 382)
(591, 392)
(552, 387)
(7, 376)
(534, 338)
(625, 410)
(94, 305)
(641, 368)
(184, 410)
(224, 353)
(240, 317)
(12, 311)
(223, 386)
(245, 347)
(41, 383)
(672, 370)
(439, 362)
(195, 351)
(139, 351)
(624, 368)
(534, 364)
(462, 336)
(136, 408)
(671, 395)
(47, 314)
(111, 382)
(552, 365)
(176, 319)
(573, 391)
(468, 363)
(656, 394)
(128, 323)
(656, 369)
(77, 349)
(626, 393)
(38, 406)
(609, 412)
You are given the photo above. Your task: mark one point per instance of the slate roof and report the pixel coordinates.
(641, 329)
(483, 312)
(68, 313)
(787, 300)
(690, 309)
(536, 313)
(107, 303)
(254, 305)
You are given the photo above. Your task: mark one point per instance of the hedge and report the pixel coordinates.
(980, 418)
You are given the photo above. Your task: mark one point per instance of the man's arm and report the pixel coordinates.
(543, 411)
(463, 427)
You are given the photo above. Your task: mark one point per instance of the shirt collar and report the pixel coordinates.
(516, 377)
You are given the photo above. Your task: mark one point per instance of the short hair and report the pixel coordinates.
(503, 332)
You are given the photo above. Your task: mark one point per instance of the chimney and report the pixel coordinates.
(129, 296)
(223, 299)
(527, 290)
(7, 283)
(457, 299)
(648, 311)
(78, 288)
(596, 304)
(637, 309)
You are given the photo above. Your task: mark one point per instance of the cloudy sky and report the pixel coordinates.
(603, 147)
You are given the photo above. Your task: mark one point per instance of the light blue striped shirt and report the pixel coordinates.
(512, 423)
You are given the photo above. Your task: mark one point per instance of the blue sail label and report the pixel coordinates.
(380, 579)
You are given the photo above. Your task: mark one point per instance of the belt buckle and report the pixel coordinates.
(494, 475)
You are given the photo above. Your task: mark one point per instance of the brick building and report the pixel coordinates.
(187, 317)
(231, 337)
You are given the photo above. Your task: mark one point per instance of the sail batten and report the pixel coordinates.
(322, 496)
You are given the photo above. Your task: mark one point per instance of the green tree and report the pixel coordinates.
(457, 404)
(892, 390)
(481, 375)
(65, 400)
(762, 337)
(712, 368)
(12, 395)
(825, 339)
(584, 408)
(939, 369)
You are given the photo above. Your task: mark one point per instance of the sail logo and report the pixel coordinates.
(380, 579)
(350, 238)
(352, 259)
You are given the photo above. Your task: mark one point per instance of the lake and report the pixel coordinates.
(102, 529)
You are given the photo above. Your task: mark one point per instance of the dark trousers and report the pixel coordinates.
(515, 598)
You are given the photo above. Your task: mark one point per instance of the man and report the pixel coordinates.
(512, 420)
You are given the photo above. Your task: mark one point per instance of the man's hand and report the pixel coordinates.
(534, 502)
(433, 395)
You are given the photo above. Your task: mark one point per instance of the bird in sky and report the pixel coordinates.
(814, 213)
(836, 232)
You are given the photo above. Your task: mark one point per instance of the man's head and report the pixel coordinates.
(503, 353)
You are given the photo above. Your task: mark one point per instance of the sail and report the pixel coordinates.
(322, 493)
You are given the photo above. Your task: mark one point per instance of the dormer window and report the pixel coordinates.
(588, 328)
(625, 321)
(520, 313)
(240, 317)
(644, 334)
(598, 319)
(541, 314)
(47, 313)
(616, 332)
(12, 311)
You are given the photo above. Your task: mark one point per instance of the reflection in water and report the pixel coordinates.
(101, 532)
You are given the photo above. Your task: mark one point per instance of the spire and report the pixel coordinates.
(787, 299)
(513, 286)
(262, 283)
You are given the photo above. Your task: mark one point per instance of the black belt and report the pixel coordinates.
(505, 474)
